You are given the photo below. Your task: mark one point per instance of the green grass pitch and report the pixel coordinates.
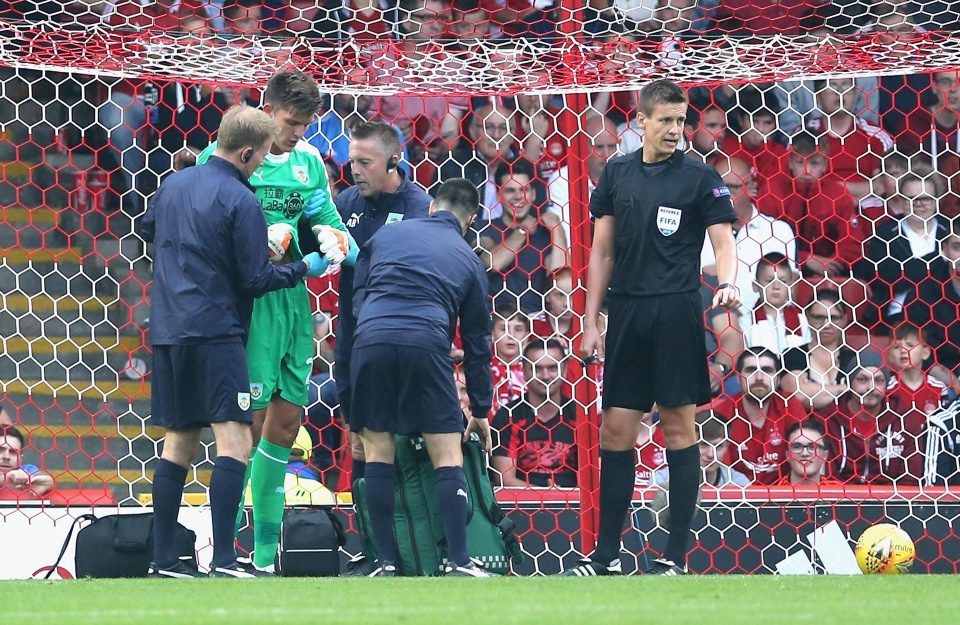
(714, 600)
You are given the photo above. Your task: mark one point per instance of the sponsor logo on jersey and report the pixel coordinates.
(393, 218)
(721, 192)
(353, 221)
(243, 400)
(668, 220)
(301, 173)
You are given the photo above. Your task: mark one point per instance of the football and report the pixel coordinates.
(885, 549)
(278, 240)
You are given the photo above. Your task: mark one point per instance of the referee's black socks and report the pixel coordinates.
(685, 475)
(617, 477)
(168, 481)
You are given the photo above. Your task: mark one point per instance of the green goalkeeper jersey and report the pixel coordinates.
(287, 183)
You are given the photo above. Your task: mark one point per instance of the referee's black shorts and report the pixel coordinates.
(196, 385)
(655, 352)
(403, 390)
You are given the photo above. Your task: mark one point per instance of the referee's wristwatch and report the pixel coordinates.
(728, 285)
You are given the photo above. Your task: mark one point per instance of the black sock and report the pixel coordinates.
(168, 480)
(357, 471)
(226, 492)
(684, 465)
(379, 478)
(452, 499)
(617, 478)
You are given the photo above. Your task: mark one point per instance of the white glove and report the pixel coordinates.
(279, 236)
(333, 243)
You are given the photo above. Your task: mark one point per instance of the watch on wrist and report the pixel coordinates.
(728, 285)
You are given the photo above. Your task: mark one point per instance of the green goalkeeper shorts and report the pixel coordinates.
(280, 347)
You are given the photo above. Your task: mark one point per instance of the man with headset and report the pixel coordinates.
(382, 195)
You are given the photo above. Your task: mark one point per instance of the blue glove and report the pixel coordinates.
(315, 205)
(317, 264)
(351, 259)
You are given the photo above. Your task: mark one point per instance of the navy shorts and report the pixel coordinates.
(196, 385)
(403, 390)
(655, 352)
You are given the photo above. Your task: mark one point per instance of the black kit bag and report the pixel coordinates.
(121, 545)
(310, 541)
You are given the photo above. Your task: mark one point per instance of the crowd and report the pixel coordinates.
(847, 346)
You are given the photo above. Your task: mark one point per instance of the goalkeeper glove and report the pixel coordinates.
(316, 265)
(334, 244)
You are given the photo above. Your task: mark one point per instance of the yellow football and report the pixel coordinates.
(885, 549)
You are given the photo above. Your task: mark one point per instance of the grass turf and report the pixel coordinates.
(543, 601)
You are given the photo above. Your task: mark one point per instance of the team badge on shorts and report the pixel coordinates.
(668, 220)
(243, 400)
(256, 390)
(301, 174)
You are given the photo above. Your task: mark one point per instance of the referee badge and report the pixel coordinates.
(243, 400)
(668, 220)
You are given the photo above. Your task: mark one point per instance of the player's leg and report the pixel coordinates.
(447, 458)
(375, 402)
(267, 477)
(627, 395)
(681, 383)
(226, 488)
(273, 330)
(618, 464)
(179, 449)
(380, 478)
(174, 387)
(683, 459)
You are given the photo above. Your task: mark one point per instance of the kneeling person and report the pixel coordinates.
(414, 280)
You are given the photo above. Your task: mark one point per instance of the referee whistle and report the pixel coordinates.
(589, 360)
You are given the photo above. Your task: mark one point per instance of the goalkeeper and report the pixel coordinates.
(292, 183)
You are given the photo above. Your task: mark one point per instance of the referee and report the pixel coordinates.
(652, 208)
(207, 225)
(414, 281)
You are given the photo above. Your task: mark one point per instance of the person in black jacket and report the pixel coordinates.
(414, 281)
(900, 254)
(207, 225)
(382, 195)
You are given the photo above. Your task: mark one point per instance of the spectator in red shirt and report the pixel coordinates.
(874, 444)
(535, 436)
(830, 231)
(855, 146)
(910, 387)
(757, 143)
(759, 417)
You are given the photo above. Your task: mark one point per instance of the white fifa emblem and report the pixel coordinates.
(668, 220)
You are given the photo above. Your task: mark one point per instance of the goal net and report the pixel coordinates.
(834, 126)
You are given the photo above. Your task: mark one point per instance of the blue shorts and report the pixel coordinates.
(196, 385)
(403, 390)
